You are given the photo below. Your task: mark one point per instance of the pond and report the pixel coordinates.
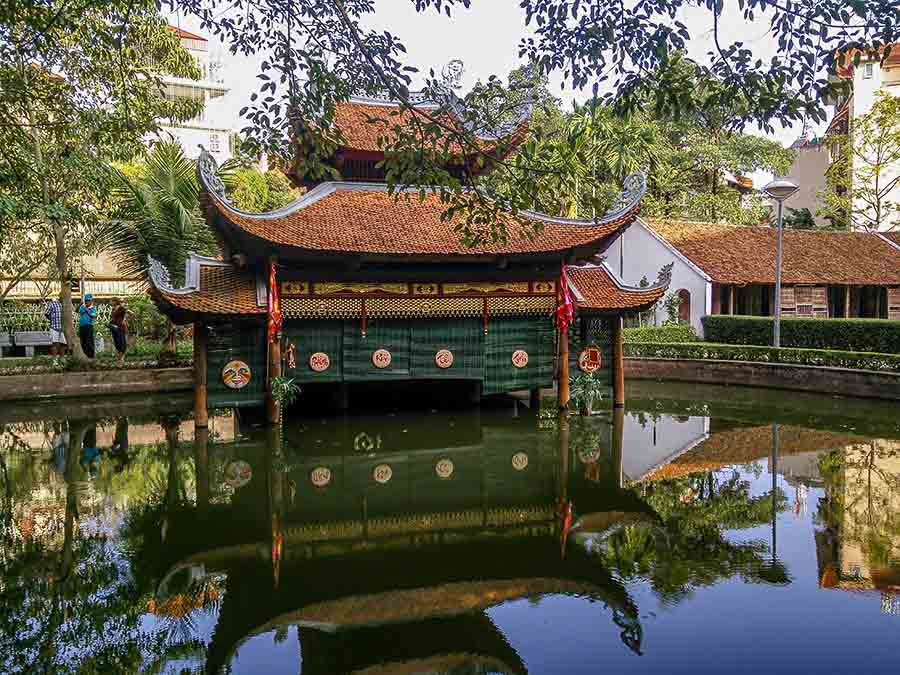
(703, 529)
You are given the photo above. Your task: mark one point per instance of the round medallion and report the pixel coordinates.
(443, 358)
(236, 374)
(382, 473)
(589, 360)
(320, 476)
(238, 473)
(520, 461)
(520, 358)
(444, 468)
(319, 362)
(381, 358)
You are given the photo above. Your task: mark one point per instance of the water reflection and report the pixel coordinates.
(401, 543)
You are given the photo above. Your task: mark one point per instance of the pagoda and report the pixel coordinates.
(357, 283)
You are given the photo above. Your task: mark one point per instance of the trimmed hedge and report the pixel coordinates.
(855, 335)
(673, 332)
(801, 357)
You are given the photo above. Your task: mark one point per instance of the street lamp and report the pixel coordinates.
(779, 189)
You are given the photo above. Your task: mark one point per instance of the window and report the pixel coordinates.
(214, 145)
(868, 71)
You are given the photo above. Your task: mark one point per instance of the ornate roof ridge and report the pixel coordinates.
(633, 190)
(663, 279)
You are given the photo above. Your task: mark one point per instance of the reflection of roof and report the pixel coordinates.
(746, 255)
(419, 604)
(596, 288)
(744, 445)
(211, 287)
(365, 218)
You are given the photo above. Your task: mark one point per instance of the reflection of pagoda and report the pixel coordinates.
(466, 518)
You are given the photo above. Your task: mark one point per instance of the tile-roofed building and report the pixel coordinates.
(597, 289)
(746, 255)
(361, 283)
(725, 269)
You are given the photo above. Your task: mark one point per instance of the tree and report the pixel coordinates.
(863, 182)
(319, 53)
(23, 252)
(799, 219)
(252, 190)
(79, 87)
(158, 217)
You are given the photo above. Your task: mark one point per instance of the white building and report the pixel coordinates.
(867, 81)
(213, 128)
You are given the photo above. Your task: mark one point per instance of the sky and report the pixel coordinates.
(486, 38)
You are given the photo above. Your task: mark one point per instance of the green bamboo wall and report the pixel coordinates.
(390, 334)
(463, 337)
(309, 337)
(244, 341)
(533, 334)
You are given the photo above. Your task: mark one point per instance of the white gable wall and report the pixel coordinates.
(640, 252)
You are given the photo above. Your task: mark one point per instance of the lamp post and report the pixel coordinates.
(779, 189)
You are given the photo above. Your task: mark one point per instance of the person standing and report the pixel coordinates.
(118, 326)
(53, 314)
(87, 313)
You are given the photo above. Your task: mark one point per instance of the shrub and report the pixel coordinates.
(672, 332)
(146, 320)
(857, 335)
(804, 357)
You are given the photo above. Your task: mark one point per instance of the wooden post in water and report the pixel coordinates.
(618, 362)
(562, 380)
(618, 433)
(201, 465)
(201, 414)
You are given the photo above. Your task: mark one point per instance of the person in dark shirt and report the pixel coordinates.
(118, 326)
(87, 312)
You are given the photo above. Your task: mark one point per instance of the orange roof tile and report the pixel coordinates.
(746, 255)
(366, 218)
(595, 288)
(218, 290)
(186, 35)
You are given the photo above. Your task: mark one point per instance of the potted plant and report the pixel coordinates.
(586, 390)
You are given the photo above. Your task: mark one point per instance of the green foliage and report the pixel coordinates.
(159, 217)
(252, 190)
(284, 389)
(799, 357)
(144, 318)
(862, 178)
(678, 332)
(857, 335)
(799, 219)
(587, 390)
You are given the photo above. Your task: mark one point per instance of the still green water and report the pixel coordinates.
(704, 530)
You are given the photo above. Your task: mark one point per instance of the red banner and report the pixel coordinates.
(274, 305)
(565, 309)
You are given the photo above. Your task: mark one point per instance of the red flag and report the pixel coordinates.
(565, 309)
(274, 305)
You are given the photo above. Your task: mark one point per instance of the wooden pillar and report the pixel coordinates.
(716, 299)
(201, 414)
(618, 434)
(731, 299)
(846, 302)
(273, 407)
(201, 465)
(562, 380)
(618, 362)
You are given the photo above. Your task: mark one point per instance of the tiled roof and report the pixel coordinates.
(745, 445)
(186, 35)
(595, 288)
(746, 255)
(366, 218)
(369, 127)
(220, 290)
